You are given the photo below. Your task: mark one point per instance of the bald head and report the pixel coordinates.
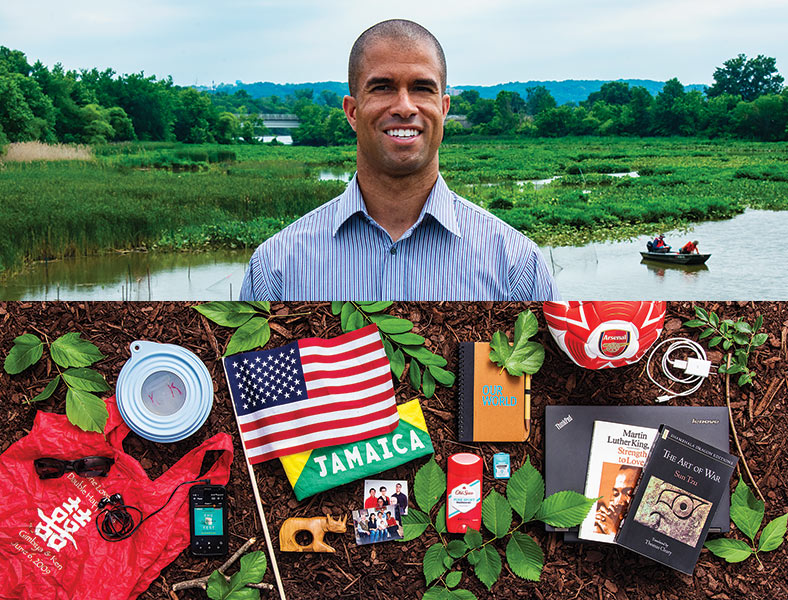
(398, 31)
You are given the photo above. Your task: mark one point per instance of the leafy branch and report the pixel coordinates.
(732, 333)
(71, 356)
(747, 514)
(249, 318)
(400, 343)
(738, 338)
(522, 356)
(524, 498)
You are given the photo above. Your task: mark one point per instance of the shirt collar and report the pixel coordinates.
(439, 205)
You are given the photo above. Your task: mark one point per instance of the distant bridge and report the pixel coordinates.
(280, 121)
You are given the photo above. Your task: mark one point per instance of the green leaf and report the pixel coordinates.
(759, 339)
(436, 593)
(701, 314)
(453, 579)
(732, 551)
(525, 490)
(694, 323)
(741, 338)
(48, 390)
(227, 314)
(442, 376)
(496, 514)
(427, 384)
(70, 350)
(398, 363)
(263, 305)
(714, 341)
(86, 411)
(564, 509)
(726, 344)
(746, 510)
(84, 379)
(488, 569)
(706, 333)
(355, 321)
(347, 310)
(391, 325)
(474, 556)
(744, 379)
(388, 349)
(528, 359)
(742, 327)
(409, 339)
(714, 319)
(734, 368)
(433, 562)
(473, 538)
(456, 548)
(525, 327)
(773, 534)
(336, 307)
(500, 350)
(253, 566)
(218, 587)
(429, 485)
(414, 523)
(374, 307)
(523, 356)
(415, 375)
(26, 351)
(524, 556)
(440, 520)
(255, 333)
(460, 595)
(424, 356)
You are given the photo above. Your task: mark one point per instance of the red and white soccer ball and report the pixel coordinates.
(605, 334)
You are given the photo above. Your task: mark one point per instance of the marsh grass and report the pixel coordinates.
(38, 151)
(173, 196)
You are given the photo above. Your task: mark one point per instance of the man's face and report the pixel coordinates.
(398, 109)
(399, 488)
(623, 488)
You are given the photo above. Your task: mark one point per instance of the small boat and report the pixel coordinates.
(675, 258)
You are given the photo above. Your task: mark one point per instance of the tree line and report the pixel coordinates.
(747, 100)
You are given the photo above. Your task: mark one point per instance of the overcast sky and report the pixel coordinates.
(486, 41)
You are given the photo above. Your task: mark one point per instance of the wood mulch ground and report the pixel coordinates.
(393, 570)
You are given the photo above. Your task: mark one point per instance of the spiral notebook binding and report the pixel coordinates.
(461, 394)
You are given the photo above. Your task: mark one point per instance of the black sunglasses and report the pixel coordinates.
(91, 466)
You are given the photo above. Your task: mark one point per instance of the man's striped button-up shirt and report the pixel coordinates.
(455, 251)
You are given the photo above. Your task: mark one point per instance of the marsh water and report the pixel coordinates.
(749, 258)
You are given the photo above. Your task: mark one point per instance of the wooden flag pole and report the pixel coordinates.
(265, 529)
(259, 502)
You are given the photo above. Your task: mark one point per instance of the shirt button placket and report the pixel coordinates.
(389, 276)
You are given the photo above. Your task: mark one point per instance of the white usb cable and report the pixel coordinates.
(690, 372)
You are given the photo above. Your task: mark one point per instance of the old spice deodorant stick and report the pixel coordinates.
(464, 493)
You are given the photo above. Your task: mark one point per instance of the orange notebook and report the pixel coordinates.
(493, 406)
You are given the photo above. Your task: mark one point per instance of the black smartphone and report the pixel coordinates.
(208, 520)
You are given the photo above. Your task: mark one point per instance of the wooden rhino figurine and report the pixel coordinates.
(317, 526)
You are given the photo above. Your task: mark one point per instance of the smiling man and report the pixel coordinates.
(398, 232)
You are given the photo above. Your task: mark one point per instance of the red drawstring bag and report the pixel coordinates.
(49, 544)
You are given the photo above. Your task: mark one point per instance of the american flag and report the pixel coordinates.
(312, 393)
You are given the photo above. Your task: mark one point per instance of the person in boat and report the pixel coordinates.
(658, 245)
(690, 247)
